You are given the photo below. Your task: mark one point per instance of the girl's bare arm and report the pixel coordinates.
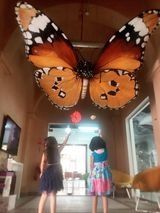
(64, 142)
(43, 164)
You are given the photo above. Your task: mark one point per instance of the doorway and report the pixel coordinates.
(74, 164)
(75, 157)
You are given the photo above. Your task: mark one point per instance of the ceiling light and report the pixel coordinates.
(88, 128)
(93, 117)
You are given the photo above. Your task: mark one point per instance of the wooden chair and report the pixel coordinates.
(147, 181)
(121, 180)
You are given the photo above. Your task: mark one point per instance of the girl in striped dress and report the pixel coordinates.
(100, 179)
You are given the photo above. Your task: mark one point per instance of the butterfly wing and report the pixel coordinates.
(48, 48)
(121, 57)
(113, 88)
(60, 85)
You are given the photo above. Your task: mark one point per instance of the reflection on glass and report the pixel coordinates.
(144, 142)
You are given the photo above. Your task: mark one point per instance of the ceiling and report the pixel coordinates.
(82, 21)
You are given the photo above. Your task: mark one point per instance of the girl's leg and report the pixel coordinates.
(105, 204)
(94, 204)
(42, 202)
(53, 202)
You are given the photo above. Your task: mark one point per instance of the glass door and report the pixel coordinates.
(141, 147)
(74, 164)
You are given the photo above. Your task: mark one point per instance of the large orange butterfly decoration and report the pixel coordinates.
(65, 78)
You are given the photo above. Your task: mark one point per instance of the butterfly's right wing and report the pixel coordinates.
(125, 49)
(114, 83)
(48, 48)
(113, 89)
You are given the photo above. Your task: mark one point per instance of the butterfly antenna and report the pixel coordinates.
(100, 76)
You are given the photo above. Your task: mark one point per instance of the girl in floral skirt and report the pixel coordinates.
(100, 179)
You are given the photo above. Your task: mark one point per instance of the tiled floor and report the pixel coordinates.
(81, 204)
(71, 204)
(76, 201)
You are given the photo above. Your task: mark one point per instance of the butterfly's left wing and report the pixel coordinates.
(44, 40)
(122, 56)
(48, 48)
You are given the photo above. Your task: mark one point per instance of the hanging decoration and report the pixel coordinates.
(75, 117)
(64, 77)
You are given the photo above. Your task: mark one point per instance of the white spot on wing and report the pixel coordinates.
(26, 51)
(106, 71)
(138, 40)
(150, 11)
(143, 45)
(29, 6)
(146, 38)
(122, 28)
(54, 26)
(127, 34)
(23, 6)
(155, 11)
(46, 70)
(49, 39)
(16, 10)
(139, 26)
(64, 36)
(18, 4)
(109, 83)
(27, 35)
(120, 72)
(32, 28)
(29, 42)
(27, 48)
(128, 39)
(112, 38)
(39, 23)
(44, 21)
(59, 68)
(38, 40)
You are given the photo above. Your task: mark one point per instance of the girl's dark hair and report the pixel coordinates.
(97, 143)
(52, 152)
(51, 141)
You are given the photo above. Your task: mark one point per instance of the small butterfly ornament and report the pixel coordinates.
(65, 78)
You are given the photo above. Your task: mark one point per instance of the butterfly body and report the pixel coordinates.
(65, 78)
(85, 69)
